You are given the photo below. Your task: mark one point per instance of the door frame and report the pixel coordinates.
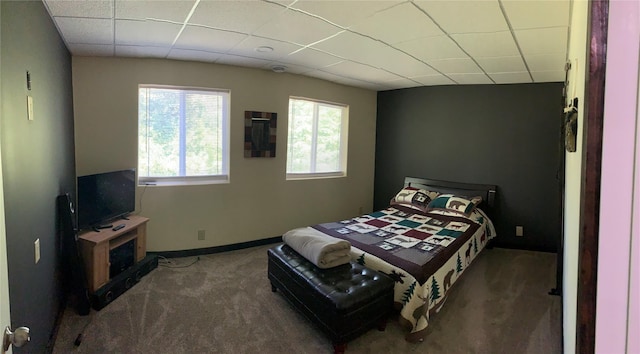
(591, 175)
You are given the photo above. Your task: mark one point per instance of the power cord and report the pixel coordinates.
(142, 195)
(164, 262)
(78, 340)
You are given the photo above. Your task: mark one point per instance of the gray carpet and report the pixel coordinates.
(223, 304)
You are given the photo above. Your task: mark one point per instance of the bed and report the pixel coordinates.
(424, 240)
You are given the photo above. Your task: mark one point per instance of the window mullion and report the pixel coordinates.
(314, 138)
(148, 129)
(182, 135)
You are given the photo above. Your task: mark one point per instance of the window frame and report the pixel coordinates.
(344, 140)
(223, 177)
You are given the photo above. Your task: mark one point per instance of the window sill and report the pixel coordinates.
(182, 181)
(302, 176)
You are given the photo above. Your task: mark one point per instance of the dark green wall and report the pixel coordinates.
(37, 162)
(507, 135)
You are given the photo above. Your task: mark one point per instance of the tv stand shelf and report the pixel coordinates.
(95, 247)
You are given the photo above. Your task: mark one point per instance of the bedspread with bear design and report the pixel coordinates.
(425, 253)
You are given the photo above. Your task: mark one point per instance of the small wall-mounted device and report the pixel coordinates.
(30, 107)
(28, 80)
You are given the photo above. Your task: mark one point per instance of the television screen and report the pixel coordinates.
(105, 196)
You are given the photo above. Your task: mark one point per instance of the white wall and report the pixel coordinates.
(258, 202)
(618, 245)
(577, 54)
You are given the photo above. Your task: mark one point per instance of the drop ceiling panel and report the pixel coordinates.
(511, 78)
(208, 39)
(438, 47)
(397, 84)
(192, 55)
(342, 80)
(141, 51)
(400, 23)
(462, 16)
(546, 62)
(352, 46)
(399, 63)
(487, 44)
(86, 30)
(312, 58)
(543, 40)
(287, 27)
(344, 13)
(91, 49)
(470, 79)
(361, 72)
(363, 84)
(433, 80)
(502, 64)
(241, 16)
(374, 44)
(455, 66)
(324, 75)
(248, 48)
(242, 61)
(146, 33)
(92, 9)
(548, 76)
(537, 14)
(176, 11)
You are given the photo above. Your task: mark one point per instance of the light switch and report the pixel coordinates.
(30, 107)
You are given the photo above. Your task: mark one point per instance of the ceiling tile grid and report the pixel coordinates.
(208, 39)
(193, 55)
(288, 25)
(146, 33)
(454, 18)
(374, 44)
(437, 47)
(344, 13)
(399, 23)
(311, 57)
(239, 16)
(175, 11)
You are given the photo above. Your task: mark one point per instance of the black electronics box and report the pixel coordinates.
(123, 282)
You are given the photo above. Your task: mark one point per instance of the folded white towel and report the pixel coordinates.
(320, 249)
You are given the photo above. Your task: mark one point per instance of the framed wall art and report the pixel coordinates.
(260, 134)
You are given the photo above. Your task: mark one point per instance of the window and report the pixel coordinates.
(317, 139)
(183, 135)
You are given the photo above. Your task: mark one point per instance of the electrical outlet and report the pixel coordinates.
(36, 249)
(201, 235)
(519, 231)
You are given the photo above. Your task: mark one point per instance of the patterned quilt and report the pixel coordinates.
(425, 253)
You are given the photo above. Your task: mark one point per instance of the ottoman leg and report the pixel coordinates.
(339, 348)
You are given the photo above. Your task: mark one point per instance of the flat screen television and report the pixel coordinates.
(102, 197)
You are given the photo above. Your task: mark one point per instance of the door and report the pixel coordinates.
(5, 319)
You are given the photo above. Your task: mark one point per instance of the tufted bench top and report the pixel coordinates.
(343, 288)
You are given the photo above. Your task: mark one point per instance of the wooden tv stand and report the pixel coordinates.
(95, 247)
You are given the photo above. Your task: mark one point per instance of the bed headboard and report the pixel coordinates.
(486, 191)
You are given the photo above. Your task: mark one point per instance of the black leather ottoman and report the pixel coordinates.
(343, 301)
